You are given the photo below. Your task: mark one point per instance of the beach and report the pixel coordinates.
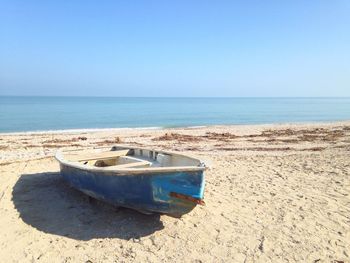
(274, 193)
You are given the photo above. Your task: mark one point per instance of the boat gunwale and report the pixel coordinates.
(125, 171)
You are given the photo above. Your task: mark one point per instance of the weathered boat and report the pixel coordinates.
(149, 181)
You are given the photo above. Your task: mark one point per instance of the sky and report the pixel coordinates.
(164, 48)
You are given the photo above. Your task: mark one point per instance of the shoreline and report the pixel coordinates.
(274, 192)
(97, 130)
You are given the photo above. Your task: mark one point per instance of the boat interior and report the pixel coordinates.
(122, 158)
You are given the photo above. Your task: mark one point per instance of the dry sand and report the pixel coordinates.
(275, 193)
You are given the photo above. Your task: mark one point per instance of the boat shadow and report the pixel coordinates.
(47, 203)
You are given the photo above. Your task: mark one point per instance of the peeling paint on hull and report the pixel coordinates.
(142, 192)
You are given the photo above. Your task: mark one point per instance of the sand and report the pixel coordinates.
(274, 193)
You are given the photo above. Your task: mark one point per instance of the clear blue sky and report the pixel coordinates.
(175, 48)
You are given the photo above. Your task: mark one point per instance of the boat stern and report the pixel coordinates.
(179, 193)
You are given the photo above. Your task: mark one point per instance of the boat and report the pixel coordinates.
(149, 181)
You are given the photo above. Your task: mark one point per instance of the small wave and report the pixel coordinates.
(81, 130)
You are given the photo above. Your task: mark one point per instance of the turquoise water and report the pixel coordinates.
(57, 113)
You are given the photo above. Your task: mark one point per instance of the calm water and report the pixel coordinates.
(57, 113)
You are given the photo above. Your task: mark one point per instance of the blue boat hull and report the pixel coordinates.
(172, 193)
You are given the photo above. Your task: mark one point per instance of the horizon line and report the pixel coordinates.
(177, 97)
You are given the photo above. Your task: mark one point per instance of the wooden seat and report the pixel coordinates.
(129, 165)
(97, 156)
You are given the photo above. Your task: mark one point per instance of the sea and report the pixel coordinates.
(29, 114)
